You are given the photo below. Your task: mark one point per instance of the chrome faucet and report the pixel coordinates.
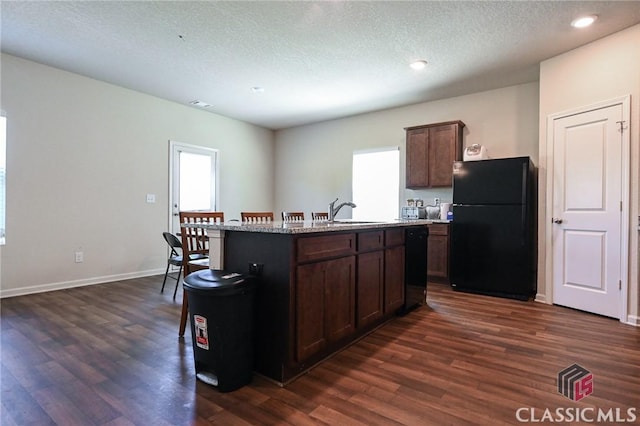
(333, 210)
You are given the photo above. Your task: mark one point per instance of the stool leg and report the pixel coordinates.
(185, 313)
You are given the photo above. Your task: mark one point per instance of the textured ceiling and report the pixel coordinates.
(315, 60)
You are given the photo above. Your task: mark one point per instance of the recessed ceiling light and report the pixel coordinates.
(584, 21)
(199, 104)
(418, 65)
(257, 89)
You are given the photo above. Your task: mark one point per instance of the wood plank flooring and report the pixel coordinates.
(109, 354)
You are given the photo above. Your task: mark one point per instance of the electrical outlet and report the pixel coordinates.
(436, 201)
(79, 257)
(255, 269)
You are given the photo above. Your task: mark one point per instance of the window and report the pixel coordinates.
(3, 166)
(197, 188)
(376, 184)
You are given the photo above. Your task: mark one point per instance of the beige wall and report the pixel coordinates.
(313, 162)
(82, 155)
(606, 69)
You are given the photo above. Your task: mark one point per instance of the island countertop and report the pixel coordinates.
(307, 227)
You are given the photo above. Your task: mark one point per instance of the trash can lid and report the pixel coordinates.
(220, 282)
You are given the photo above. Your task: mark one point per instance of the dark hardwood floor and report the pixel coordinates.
(110, 355)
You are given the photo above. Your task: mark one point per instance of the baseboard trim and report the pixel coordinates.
(23, 291)
(633, 320)
(541, 297)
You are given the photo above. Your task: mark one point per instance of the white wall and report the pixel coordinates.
(82, 155)
(313, 162)
(602, 70)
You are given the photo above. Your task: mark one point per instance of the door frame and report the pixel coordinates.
(625, 101)
(173, 145)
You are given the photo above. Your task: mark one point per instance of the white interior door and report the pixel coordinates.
(587, 211)
(193, 181)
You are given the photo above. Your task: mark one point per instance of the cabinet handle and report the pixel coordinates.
(557, 220)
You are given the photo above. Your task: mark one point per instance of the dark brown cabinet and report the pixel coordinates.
(431, 150)
(438, 252)
(380, 282)
(324, 305)
(370, 277)
(394, 270)
(310, 334)
(325, 246)
(339, 300)
(325, 292)
(393, 279)
(319, 291)
(370, 287)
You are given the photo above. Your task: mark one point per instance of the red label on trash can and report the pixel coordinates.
(202, 337)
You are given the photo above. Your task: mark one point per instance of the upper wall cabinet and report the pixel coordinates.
(431, 151)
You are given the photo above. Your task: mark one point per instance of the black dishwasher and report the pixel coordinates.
(415, 267)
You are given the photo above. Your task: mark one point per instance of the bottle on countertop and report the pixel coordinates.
(444, 210)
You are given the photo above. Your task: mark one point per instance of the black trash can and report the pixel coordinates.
(221, 311)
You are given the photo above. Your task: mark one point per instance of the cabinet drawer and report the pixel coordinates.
(394, 237)
(314, 248)
(370, 240)
(439, 229)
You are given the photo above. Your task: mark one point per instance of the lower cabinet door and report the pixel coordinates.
(369, 287)
(339, 296)
(393, 279)
(325, 304)
(310, 335)
(438, 257)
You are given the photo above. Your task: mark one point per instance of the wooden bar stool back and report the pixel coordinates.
(256, 217)
(293, 216)
(319, 216)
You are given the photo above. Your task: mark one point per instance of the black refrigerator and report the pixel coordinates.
(493, 233)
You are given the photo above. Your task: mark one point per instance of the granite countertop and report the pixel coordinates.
(308, 226)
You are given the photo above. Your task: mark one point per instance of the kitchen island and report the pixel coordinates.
(322, 285)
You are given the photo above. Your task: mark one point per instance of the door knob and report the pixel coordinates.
(557, 220)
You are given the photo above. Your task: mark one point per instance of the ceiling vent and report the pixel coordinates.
(199, 104)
